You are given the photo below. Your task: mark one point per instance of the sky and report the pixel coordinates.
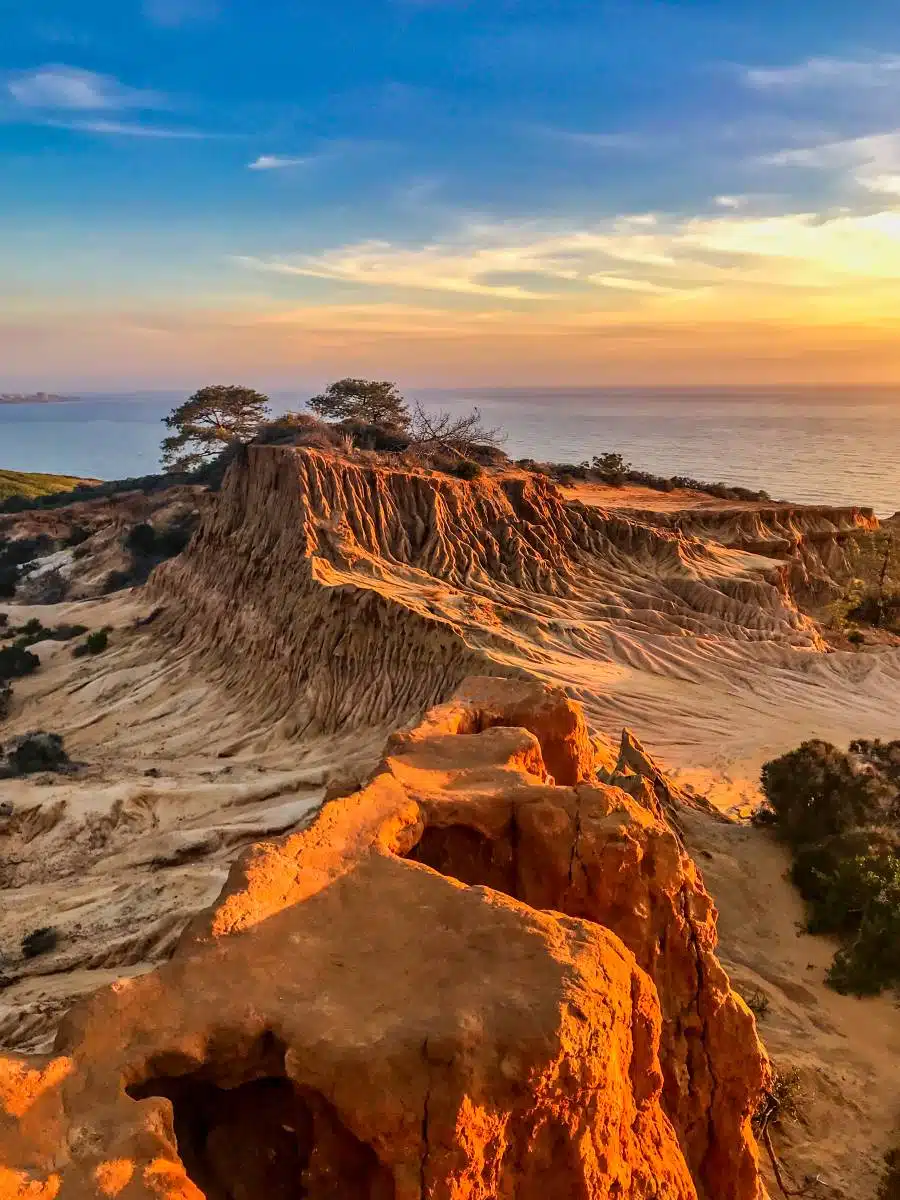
(448, 192)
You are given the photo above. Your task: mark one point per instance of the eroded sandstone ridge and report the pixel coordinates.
(370, 592)
(489, 973)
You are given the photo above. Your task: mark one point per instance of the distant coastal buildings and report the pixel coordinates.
(31, 398)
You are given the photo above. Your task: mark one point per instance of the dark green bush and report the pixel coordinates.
(841, 815)
(174, 538)
(839, 876)
(9, 578)
(149, 547)
(816, 791)
(40, 941)
(374, 437)
(141, 540)
(34, 631)
(16, 662)
(94, 643)
(466, 469)
(870, 961)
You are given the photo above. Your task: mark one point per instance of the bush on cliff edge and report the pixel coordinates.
(840, 813)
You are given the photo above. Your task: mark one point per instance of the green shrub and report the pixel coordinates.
(40, 941)
(839, 876)
(466, 469)
(817, 791)
(612, 468)
(16, 662)
(869, 962)
(841, 815)
(141, 540)
(9, 578)
(94, 643)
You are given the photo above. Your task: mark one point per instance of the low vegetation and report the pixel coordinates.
(94, 643)
(34, 631)
(30, 485)
(870, 600)
(210, 428)
(613, 470)
(890, 1180)
(17, 662)
(147, 484)
(15, 555)
(840, 814)
(40, 941)
(33, 752)
(147, 546)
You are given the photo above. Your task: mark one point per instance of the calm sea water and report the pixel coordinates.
(816, 446)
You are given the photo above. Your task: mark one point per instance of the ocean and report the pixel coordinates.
(819, 446)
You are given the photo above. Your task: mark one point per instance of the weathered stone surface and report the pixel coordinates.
(394, 1035)
(443, 988)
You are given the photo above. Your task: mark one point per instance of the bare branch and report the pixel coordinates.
(456, 435)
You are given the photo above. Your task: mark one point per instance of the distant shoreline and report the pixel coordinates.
(34, 398)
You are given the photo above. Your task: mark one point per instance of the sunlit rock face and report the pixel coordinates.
(474, 977)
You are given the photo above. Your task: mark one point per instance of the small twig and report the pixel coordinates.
(773, 1158)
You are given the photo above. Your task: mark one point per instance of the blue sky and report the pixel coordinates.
(448, 191)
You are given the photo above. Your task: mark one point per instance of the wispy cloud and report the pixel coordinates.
(380, 264)
(595, 140)
(130, 129)
(872, 162)
(62, 87)
(172, 13)
(277, 162)
(695, 261)
(877, 71)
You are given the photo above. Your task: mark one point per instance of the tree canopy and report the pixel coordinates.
(214, 417)
(374, 402)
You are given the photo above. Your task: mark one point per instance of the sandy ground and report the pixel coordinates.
(846, 1049)
(173, 779)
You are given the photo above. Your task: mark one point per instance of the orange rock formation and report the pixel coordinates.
(476, 977)
(372, 592)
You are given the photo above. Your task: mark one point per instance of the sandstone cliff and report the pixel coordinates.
(371, 592)
(466, 979)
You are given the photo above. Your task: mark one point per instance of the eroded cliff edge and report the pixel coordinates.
(338, 593)
(469, 978)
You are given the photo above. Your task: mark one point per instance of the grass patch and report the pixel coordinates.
(33, 484)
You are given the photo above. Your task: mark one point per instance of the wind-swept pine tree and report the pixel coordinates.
(207, 422)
